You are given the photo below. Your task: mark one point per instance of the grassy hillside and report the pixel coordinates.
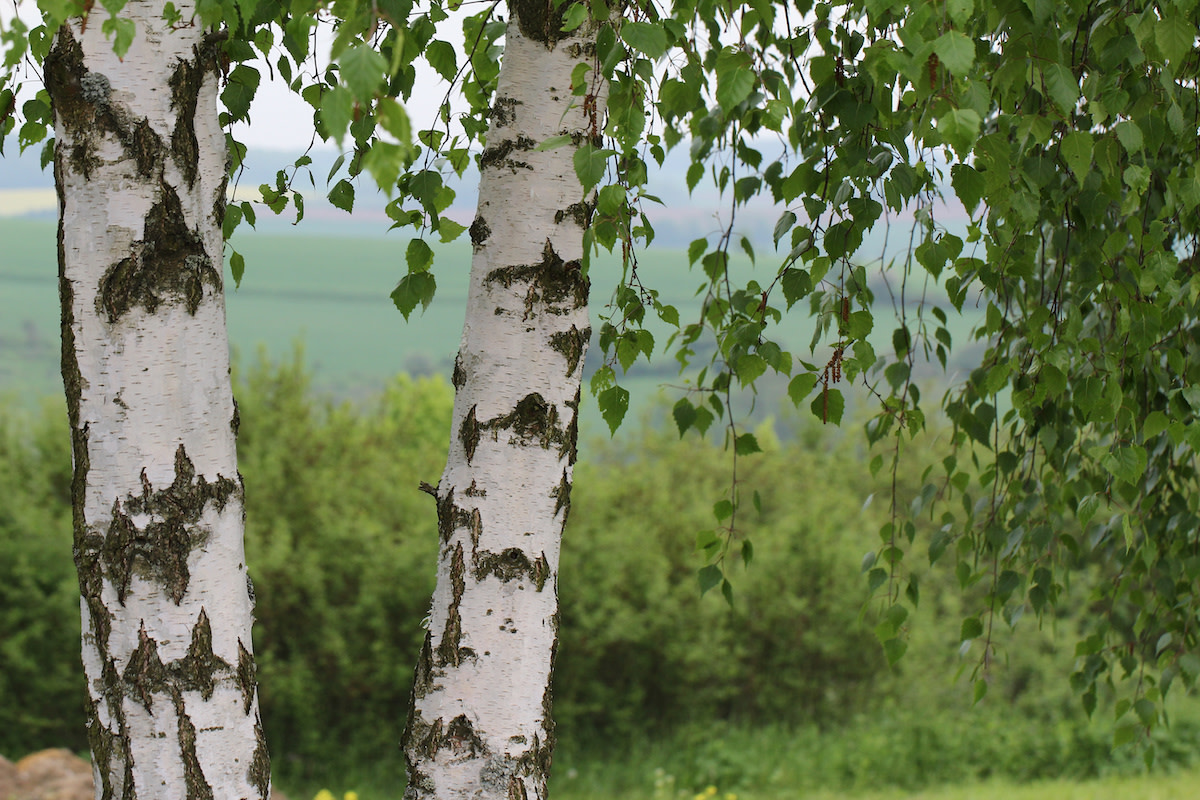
(329, 293)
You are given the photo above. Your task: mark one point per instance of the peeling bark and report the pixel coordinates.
(480, 724)
(140, 168)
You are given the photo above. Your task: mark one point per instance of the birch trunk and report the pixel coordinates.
(140, 166)
(480, 724)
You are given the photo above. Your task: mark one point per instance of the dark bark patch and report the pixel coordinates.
(246, 679)
(260, 762)
(540, 20)
(423, 675)
(185, 82)
(500, 155)
(562, 496)
(458, 378)
(462, 739)
(513, 564)
(504, 112)
(572, 439)
(479, 231)
(580, 213)
(468, 433)
(145, 675)
(197, 785)
(169, 263)
(560, 287)
(160, 550)
(202, 666)
(572, 345)
(83, 105)
(448, 651)
(451, 517)
(533, 420)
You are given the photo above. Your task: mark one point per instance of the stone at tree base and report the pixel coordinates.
(8, 779)
(56, 774)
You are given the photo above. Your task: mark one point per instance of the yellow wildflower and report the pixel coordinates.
(324, 794)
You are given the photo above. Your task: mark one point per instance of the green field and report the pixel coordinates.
(329, 294)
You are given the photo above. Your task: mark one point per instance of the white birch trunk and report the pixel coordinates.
(480, 724)
(140, 165)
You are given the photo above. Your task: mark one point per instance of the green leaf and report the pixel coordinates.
(735, 79)
(613, 402)
(239, 91)
(960, 10)
(685, 414)
(801, 386)
(1175, 37)
(894, 650)
(1062, 86)
(959, 128)
(419, 255)
(590, 165)
(449, 230)
(1087, 509)
(362, 71)
(1130, 136)
(709, 577)
(646, 37)
(237, 267)
(442, 58)
(336, 111)
(342, 195)
(1077, 152)
(394, 119)
(746, 444)
(414, 288)
(828, 406)
(1126, 463)
(121, 31)
(784, 224)
(969, 185)
(956, 51)
(972, 628)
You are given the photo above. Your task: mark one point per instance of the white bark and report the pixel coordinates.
(140, 165)
(480, 726)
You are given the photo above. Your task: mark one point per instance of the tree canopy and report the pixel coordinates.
(1068, 132)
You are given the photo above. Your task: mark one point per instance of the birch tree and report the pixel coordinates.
(140, 168)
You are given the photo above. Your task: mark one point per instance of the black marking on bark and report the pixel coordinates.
(145, 674)
(479, 231)
(562, 496)
(423, 675)
(185, 84)
(462, 739)
(169, 263)
(204, 664)
(260, 762)
(83, 106)
(420, 742)
(246, 679)
(572, 439)
(499, 155)
(235, 422)
(581, 213)
(102, 744)
(559, 286)
(448, 651)
(197, 785)
(458, 378)
(572, 345)
(160, 550)
(533, 420)
(512, 564)
(468, 433)
(540, 20)
(474, 491)
(504, 112)
(451, 517)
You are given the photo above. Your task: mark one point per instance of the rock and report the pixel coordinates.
(8, 779)
(55, 774)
